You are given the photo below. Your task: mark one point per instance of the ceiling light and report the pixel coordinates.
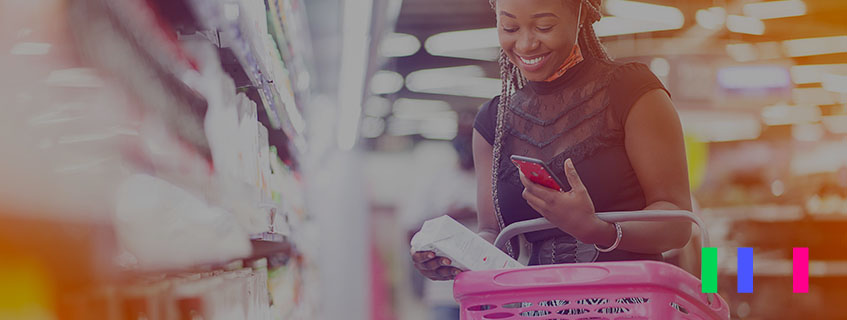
(712, 18)
(809, 132)
(615, 26)
(373, 127)
(836, 124)
(814, 96)
(834, 83)
(635, 10)
(742, 24)
(661, 67)
(461, 81)
(806, 74)
(754, 77)
(742, 52)
(778, 115)
(455, 41)
(419, 108)
(713, 126)
(815, 46)
(399, 45)
(376, 106)
(775, 9)
(386, 82)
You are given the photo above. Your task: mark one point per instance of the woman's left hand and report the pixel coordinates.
(571, 211)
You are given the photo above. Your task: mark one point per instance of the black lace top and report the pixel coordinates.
(581, 116)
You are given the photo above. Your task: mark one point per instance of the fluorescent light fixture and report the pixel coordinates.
(775, 9)
(630, 17)
(402, 127)
(377, 107)
(354, 59)
(373, 127)
(457, 41)
(742, 24)
(442, 128)
(712, 18)
(777, 115)
(30, 49)
(835, 83)
(809, 132)
(399, 45)
(754, 77)
(718, 126)
(814, 96)
(386, 82)
(815, 46)
(635, 10)
(806, 74)
(615, 26)
(836, 124)
(661, 67)
(419, 108)
(466, 81)
(742, 52)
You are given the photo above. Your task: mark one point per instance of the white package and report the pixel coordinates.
(466, 250)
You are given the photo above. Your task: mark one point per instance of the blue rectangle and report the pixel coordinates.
(745, 270)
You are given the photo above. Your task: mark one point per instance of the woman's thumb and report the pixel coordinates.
(572, 175)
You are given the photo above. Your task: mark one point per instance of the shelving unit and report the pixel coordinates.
(200, 187)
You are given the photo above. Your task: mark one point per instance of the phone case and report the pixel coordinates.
(537, 171)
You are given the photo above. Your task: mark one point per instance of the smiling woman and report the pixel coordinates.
(609, 128)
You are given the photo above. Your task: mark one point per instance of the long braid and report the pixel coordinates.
(512, 81)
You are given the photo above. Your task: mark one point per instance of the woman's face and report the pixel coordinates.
(537, 35)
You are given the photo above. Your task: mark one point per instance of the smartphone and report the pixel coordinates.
(537, 171)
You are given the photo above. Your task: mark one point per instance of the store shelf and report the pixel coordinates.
(232, 27)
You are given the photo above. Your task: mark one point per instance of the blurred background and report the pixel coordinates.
(249, 159)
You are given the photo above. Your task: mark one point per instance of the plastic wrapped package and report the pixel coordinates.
(165, 227)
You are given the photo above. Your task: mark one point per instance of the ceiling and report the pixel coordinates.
(424, 18)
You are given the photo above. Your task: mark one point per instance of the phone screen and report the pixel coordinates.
(538, 172)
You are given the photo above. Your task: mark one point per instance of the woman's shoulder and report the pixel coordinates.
(486, 119)
(629, 82)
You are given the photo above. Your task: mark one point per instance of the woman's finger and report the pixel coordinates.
(422, 256)
(573, 177)
(530, 197)
(434, 264)
(448, 273)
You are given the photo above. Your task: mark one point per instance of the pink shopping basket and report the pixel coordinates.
(589, 291)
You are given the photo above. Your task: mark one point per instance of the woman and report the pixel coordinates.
(609, 128)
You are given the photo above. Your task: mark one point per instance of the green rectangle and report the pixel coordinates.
(709, 270)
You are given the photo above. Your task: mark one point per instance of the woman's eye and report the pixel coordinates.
(510, 30)
(545, 29)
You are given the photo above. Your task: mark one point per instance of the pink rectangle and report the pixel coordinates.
(801, 270)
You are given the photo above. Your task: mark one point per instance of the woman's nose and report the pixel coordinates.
(527, 43)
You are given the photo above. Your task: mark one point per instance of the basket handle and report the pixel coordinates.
(540, 224)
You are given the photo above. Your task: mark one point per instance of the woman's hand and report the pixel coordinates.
(433, 267)
(571, 211)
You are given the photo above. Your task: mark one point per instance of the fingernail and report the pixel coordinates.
(456, 272)
(430, 255)
(445, 262)
(570, 163)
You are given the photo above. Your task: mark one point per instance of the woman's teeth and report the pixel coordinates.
(531, 61)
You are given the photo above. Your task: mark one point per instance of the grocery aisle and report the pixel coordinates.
(163, 160)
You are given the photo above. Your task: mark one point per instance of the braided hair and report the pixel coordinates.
(512, 81)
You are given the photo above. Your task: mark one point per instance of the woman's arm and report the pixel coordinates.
(654, 143)
(483, 154)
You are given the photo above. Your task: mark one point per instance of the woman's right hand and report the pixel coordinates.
(433, 267)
